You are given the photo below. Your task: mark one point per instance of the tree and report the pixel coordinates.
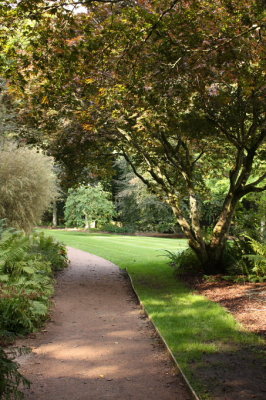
(176, 87)
(27, 185)
(187, 104)
(87, 204)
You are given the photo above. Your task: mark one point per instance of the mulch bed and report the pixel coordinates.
(235, 372)
(247, 302)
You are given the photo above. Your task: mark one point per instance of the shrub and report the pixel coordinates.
(10, 377)
(27, 263)
(184, 262)
(26, 287)
(258, 259)
(51, 250)
(118, 229)
(27, 185)
(245, 260)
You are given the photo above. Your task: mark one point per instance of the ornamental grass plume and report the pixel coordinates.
(28, 185)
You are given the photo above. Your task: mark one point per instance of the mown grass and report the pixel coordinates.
(192, 325)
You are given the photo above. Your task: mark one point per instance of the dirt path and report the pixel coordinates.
(98, 345)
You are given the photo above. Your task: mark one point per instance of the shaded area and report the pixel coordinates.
(238, 373)
(247, 302)
(228, 366)
(98, 344)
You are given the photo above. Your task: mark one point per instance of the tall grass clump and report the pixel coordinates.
(27, 185)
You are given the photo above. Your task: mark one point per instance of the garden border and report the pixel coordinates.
(185, 379)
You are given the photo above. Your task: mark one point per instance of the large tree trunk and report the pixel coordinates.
(215, 262)
(211, 254)
(217, 244)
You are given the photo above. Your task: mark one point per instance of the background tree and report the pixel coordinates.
(87, 204)
(27, 185)
(137, 208)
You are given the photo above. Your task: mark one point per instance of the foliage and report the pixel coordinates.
(51, 251)
(26, 279)
(27, 185)
(185, 112)
(27, 264)
(11, 125)
(239, 266)
(7, 114)
(184, 262)
(10, 377)
(257, 259)
(245, 260)
(183, 99)
(118, 229)
(137, 207)
(250, 217)
(212, 201)
(87, 204)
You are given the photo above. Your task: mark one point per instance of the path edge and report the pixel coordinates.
(185, 379)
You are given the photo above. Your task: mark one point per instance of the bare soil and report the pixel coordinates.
(98, 344)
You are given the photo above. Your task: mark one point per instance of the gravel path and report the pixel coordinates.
(98, 345)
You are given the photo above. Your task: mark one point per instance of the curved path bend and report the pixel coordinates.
(98, 344)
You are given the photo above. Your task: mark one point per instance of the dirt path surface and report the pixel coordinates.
(98, 344)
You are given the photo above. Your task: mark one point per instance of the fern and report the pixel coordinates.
(26, 273)
(258, 259)
(38, 308)
(10, 377)
(27, 263)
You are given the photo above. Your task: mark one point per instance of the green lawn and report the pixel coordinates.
(191, 324)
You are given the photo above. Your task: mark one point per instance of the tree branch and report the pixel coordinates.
(198, 158)
(39, 9)
(233, 174)
(252, 187)
(225, 42)
(155, 25)
(145, 181)
(254, 27)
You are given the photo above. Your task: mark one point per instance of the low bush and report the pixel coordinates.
(184, 262)
(27, 264)
(118, 229)
(244, 260)
(27, 267)
(257, 258)
(51, 251)
(247, 258)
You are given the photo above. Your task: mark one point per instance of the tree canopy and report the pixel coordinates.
(176, 87)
